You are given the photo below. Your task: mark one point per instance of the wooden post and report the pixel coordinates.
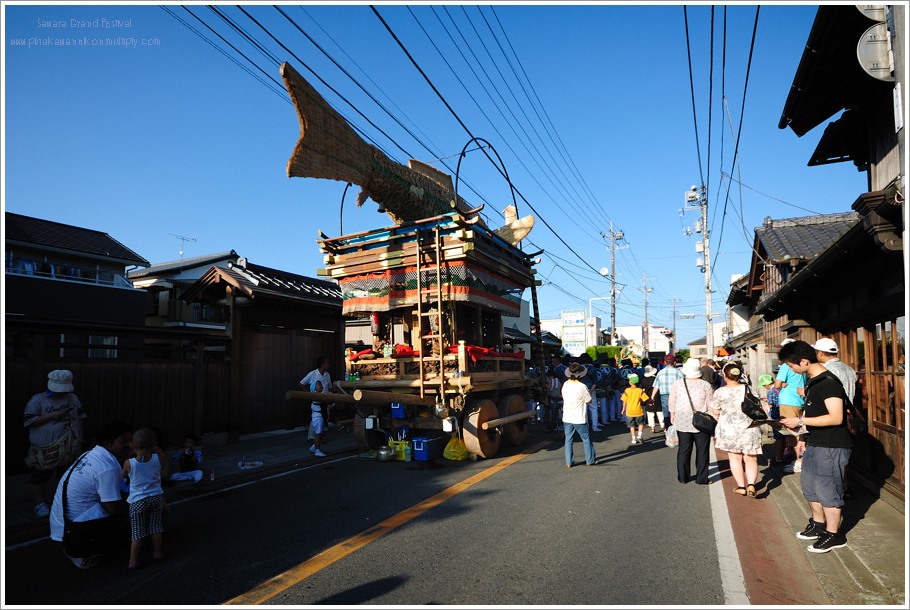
(376, 397)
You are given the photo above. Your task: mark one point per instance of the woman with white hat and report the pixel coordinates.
(688, 395)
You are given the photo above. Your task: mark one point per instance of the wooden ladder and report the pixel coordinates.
(433, 250)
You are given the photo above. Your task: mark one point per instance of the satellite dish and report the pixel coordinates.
(875, 12)
(604, 271)
(874, 53)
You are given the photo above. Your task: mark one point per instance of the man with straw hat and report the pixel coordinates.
(575, 398)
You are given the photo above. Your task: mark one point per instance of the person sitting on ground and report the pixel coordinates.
(188, 460)
(92, 487)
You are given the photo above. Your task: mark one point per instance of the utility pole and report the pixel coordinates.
(673, 303)
(697, 199)
(614, 237)
(646, 348)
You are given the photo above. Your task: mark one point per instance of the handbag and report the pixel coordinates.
(50, 456)
(703, 422)
(751, 406)
(86, 538)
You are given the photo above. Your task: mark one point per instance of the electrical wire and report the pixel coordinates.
(741, 116)
(465, 127)
(692, 93)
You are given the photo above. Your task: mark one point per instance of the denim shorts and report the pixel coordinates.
(822, 478)
(635, 422)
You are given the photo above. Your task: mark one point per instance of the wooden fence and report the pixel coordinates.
(176, 381)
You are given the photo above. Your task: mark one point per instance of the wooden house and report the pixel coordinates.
(854, 290)
(276, 325)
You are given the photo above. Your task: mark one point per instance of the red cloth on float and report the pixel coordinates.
(364, 352)
(475, 352)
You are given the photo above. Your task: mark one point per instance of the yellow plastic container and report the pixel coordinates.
(398, 446)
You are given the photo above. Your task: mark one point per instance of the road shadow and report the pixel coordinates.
(362, 594)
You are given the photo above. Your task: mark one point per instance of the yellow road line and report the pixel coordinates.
(288, 579)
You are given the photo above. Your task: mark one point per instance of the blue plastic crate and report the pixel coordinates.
(426, 448)
(398, 410)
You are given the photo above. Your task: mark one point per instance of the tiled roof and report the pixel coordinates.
(38, 233)
(803, 238)
(256, 281)
(181, 264)
(264, 280)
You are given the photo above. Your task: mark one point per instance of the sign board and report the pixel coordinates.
(573, 331)
(573, 318)
(574, 348)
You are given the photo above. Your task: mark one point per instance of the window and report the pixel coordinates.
(107, 347)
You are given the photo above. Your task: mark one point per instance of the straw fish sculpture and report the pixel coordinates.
(329, 148)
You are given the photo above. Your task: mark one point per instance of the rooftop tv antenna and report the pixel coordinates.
(183, 240)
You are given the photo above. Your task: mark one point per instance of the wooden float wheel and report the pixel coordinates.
(480, 442)
(515, 433)
(366, 439)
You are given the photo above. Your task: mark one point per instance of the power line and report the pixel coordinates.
(692, 92)
(741, 115)
(465, 127)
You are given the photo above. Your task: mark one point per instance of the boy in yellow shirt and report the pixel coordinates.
(632, 400)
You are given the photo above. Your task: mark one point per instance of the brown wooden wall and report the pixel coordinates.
(877, 356)
(186, 388)
(274, 361)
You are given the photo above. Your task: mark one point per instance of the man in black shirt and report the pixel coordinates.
(828, 446)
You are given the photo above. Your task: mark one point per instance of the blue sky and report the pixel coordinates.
(149, 131)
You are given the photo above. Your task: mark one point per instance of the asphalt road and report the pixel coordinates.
(520, 529)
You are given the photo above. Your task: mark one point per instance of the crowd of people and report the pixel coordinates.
(110, 488)
(116, 484)
(805, 403)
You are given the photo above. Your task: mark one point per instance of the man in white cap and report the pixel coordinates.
(54, 423)
(826, 351)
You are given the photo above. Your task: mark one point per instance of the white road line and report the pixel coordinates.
(27, 543)
(731, 571)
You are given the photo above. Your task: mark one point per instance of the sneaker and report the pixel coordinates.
(41, 510)
(812, 531)
(312, 448)
(794, 467)
(318, 453)
(827, 541)
(638, 438)
(634, 440)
